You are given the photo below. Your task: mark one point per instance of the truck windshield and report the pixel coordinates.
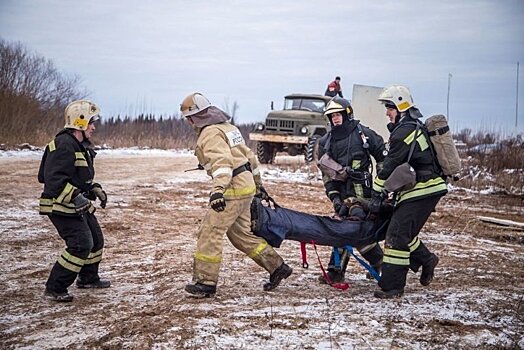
(304, 104)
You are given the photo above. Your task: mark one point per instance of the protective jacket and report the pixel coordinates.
(222, 152)
(66, 170)
(429, 181)
(352, 148)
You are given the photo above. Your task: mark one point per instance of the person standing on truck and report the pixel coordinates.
(351, 145)
(67, 172)
(235, 179)
(403, 249)
(333, 89)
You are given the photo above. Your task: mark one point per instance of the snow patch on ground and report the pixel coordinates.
(150, 226)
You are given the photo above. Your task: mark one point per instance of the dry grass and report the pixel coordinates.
(33, 95)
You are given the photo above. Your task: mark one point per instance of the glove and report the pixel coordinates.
(217, 201)
(81, 203)
(337, 204)
(356, 213)
(388, 206)
(380, 204)
(262, 193)
(376, 203)
(343, 211)
(101, 194)
(90, 195)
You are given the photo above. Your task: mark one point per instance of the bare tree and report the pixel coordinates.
(33, 95)
(231, 109)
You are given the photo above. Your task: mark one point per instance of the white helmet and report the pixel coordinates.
(194, 104)
(338, 104)
(399, 96)
(78, 114)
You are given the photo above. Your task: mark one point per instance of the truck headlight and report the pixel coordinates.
(260, 127)
(303, 130)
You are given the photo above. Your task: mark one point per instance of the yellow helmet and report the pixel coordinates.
(399, 96)
(78, 114)
(194, 104)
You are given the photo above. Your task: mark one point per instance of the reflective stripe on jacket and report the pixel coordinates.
(66, 168)
(429, 181)
(220, 149)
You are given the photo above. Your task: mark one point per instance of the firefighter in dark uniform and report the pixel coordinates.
(403, 248)
(351, 145)
(67, 172)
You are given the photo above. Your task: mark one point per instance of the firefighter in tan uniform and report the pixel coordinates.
(233, 167)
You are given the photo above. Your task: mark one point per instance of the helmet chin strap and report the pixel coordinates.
(400, 115)
(84, 136)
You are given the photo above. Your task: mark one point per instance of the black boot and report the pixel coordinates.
(64, 297)
(428, 270)
(392, 281)
(201, 290)
(337, 273)
(335, 276)
(389, 294)
(282, 272)
(98, 284)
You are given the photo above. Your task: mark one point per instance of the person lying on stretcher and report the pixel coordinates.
(365, 222)
(358, 224)
(358, 227)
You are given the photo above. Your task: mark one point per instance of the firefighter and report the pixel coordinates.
(333, 89)
(67, 172)
(403, 248)
(351, 145)
(235, 179)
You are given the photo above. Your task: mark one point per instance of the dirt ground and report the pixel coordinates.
(154, 209)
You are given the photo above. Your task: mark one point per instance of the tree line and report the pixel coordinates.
(34, 94)
(146, 130)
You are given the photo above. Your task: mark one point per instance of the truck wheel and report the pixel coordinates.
(265, 152)
(311, 154)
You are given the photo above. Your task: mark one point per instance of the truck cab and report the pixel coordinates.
(295, 129)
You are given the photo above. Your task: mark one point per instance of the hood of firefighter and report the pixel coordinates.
(209, 116)
(413, 113)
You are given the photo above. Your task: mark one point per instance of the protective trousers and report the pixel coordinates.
(403, 248)
(83, 253)
(235, 222)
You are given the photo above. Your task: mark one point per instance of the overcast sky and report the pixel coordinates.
(146, 56)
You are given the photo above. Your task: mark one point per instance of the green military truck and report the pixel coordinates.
(294, 129)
